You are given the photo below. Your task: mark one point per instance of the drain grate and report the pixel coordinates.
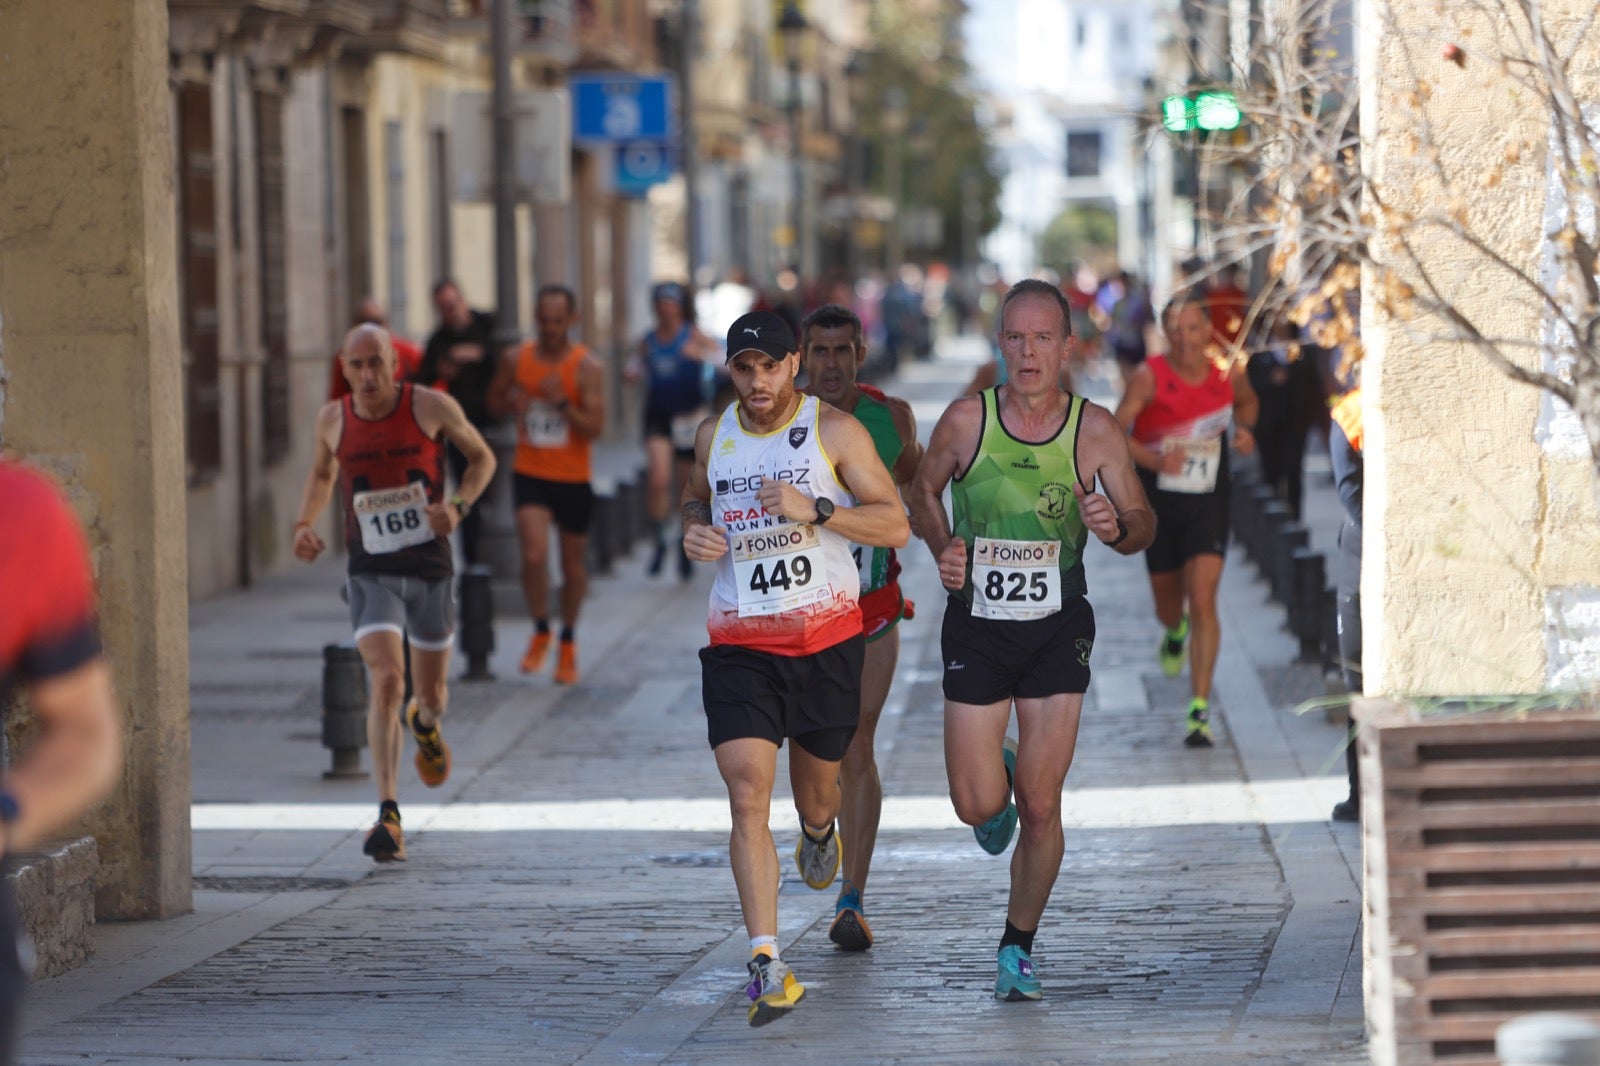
(269, 884)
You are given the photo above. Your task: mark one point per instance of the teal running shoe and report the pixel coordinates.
(996, 833)
(850, 929)
(1017, 980)
(1171, 650)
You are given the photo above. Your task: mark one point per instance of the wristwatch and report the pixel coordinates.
(463, 508)
(1122, 533)
(824, 509)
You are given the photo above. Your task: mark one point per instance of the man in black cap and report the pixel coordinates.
(782, 486)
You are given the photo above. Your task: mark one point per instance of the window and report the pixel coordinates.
(1083, 154)
(197, 248)
(442, 267)
(274, 277)
(357, 234)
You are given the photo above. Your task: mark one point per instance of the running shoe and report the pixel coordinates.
(385, 842)
(773, 990)
(850, 929)
(533, 658)
(996, 833)
(818, 860)
(567, 663)
(433, 754)
(1199, 725)
(1017, 980)
(1171, 650)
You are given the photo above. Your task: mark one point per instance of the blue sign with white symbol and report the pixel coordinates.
(616, 108)
(638, 165)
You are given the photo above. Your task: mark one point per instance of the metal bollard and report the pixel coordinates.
(1328, 629)
(601, 531)
(1305, 601)
(1292, 536)
(1548, 1039)
(344, 709)
(477, 622)
(1274, 516)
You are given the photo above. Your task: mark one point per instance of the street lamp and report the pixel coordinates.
(894, 128)
(791, 24)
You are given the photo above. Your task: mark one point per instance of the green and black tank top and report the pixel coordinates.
(1017, 497)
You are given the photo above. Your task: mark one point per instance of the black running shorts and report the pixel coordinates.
(570, 503)
(987, 660)
(814, 699)
(1187, 524)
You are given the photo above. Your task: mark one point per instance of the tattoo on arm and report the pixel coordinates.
(696, 511)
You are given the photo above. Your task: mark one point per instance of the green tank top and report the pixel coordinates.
(873, 413)
(1018, 491)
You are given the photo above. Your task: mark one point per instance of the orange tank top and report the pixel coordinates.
(548, 447)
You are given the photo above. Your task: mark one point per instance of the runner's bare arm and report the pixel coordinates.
(905, 423)
(1246, 409)
(1122, 517)
(440, 415)
(503, 397)
(74, 761)
(878, 517)
(703, 540)
(1136, 397)
(588, 415)
(950, 449)
(319, 483)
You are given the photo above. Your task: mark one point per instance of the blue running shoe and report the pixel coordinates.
(995, 834)
(1017, 980)
(850, 929)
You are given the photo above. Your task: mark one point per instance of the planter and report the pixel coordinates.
(1481, 855)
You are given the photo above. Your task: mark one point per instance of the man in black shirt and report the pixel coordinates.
(460, 358)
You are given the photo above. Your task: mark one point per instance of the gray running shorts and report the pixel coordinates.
(425, 610)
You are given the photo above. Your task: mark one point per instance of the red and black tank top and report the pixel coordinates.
(47, 619)
(389, 472)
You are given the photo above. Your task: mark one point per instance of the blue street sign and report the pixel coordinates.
(614, 108)
(638, 165)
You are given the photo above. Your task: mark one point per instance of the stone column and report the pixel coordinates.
(1479, 530)
(89, 340)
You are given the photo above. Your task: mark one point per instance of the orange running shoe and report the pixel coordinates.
(538, 648)
(433, 754)
(385, 842)
(567, 664)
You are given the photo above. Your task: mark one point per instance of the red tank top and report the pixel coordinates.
(47, 625)
(389, 471)
(1179, 409)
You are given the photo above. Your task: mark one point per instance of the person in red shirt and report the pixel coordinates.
(1178, 409)
(383, 448)
(50, 647)
(408, 357)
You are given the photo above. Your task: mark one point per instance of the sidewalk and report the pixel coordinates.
(568, 899)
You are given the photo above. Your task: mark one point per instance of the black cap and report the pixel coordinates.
(764, 332)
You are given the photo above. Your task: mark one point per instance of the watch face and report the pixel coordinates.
(824, 508)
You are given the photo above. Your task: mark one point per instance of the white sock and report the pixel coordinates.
(764, 945)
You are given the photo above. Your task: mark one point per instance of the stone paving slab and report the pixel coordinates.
(568, 898)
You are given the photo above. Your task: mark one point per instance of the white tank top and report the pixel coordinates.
(784, 587)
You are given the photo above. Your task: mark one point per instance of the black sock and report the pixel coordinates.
(567, 635)
(387, 808)
(1023, 938)
(541, 625)
(823, 839)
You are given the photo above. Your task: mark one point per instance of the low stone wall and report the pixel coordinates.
(54, 890)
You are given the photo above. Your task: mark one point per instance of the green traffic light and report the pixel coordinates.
(1177, 114)
(1216, 110)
